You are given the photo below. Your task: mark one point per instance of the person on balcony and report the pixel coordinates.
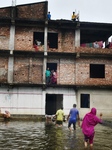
(54, 77)
(47, 74)
(96, 45)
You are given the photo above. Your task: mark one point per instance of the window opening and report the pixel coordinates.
(53, 40)
(38, 40)
(97, 71)
(85, 100)
(39, 36)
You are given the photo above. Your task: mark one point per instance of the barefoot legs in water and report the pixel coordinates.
(91, 146)
(86, 144)
(70, 128)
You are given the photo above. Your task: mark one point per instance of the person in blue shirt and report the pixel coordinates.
(47, 74)
(73, 117)
(49, 16)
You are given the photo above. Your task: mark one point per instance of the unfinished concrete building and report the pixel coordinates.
(84, 73)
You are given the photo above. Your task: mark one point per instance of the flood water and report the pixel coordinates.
(31, 135)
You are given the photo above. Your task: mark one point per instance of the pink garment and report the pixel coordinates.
(89, 122)
(110, 45)
(100, 43)
(36, 47)
(83, 45)
(54, 78)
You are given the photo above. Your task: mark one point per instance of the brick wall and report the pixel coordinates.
(83, 72)
(37, 70)
(29, 11)
(5, 12)
(24, 38)
(27, 70)
(32, 11)
(88, 50)
(77, 71)
(70, 71)
(66, 40)
(4, 37)
(3, 69)
(67, 71)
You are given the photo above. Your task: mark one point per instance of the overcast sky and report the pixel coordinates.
(89, 10)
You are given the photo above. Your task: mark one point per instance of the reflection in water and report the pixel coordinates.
(40, 136)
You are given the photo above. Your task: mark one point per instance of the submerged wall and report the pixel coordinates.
(32, 101)
(100, 99)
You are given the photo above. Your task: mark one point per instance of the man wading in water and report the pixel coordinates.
(72, 117)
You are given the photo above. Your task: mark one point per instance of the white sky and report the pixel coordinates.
(89, 10)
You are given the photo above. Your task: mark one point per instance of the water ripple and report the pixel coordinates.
(39, 136)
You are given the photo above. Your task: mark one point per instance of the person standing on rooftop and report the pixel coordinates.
(49, 16)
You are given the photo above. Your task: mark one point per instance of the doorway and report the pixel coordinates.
(53, 103)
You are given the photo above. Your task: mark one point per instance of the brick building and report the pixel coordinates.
(29, 43)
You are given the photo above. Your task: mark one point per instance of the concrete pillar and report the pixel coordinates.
(43, 102)
(77, 37)
(45, 54)
(45, 40)
(12, 37)
(44, 69)
(11, 59)
(10, 69)
(30, 70)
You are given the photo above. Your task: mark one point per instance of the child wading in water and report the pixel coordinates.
(90, 120)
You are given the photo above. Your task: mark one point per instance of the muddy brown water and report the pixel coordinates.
(31, 135)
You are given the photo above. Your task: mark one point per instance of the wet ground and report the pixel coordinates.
(31, 135)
